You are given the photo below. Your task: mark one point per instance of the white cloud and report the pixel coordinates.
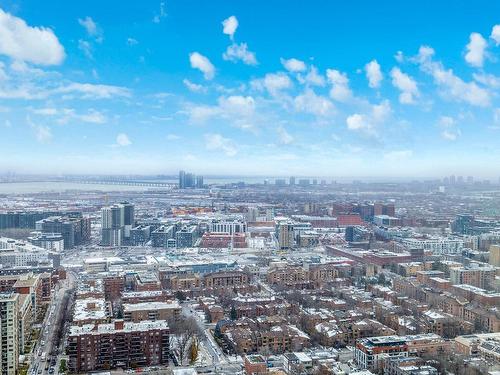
(450, 132)
(216, 142)
(239, 110)
(283, 136)
(358, 122)
(26, 82)
(237, 105)
(86, 48)
(293, 65)
(93, 31)
(495, 34)
(69, 91)
(200, 62)
(239, 52)
(274, 83)
(313, 78)
(22, 68)
(407, 85)
(37, 45)
(452, 87)
(194, 87)
(277, 82)
(310, 102)
(89, 25)
(43, 133)
(93, 116)
(399, 57)
(424, 55)
(451, 135)
(66, 114)
(202, 113)
(380, 112)
(91, 91)
(476, 50)
(132, 41)
(161, 96)
(123, 140)
(373, 74)
(446, 121)
(340, 90)
(163, 13)
(229, 26)
(46, 111)
(487, 79)
(367, 123)
(249, 127)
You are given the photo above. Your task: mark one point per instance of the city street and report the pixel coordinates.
(43, 362)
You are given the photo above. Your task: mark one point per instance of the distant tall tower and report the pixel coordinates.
(285, 235)
(199, 182)
(117, 222)
(182, 180)
(111, 233)
(292, 181)
(189, 180)
(128, 218)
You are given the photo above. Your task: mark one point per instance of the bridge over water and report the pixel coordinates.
(156, 184)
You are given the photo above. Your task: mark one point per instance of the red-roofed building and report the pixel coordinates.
(345, 220)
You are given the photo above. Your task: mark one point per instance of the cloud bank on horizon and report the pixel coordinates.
(159, 89)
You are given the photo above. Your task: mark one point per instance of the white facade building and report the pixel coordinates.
(228, 226)
(437, 246)
(48, 241)
(15, 253)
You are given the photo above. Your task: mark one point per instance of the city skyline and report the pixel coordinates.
(382, 90)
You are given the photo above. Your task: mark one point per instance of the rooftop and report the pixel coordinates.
(92, 329)
(90, 309)
(145, 306)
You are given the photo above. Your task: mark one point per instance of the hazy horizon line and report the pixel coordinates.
(329, 178)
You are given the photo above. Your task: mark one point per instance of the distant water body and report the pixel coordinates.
(43, 187)
(47, 186)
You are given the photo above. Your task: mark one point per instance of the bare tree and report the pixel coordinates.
(184, 330)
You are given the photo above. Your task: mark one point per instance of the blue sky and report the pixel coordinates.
(326, 88)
